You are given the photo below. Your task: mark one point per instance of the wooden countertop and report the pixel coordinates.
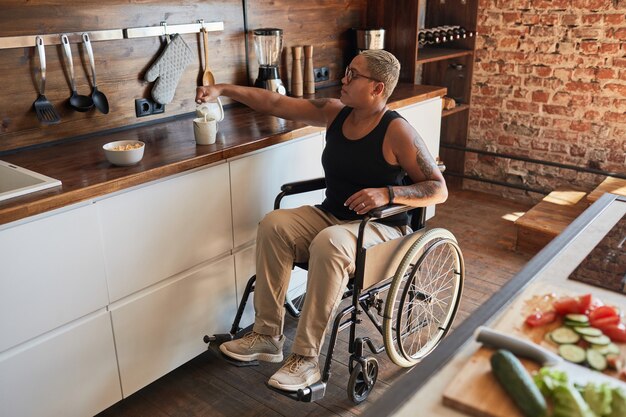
(170, 149)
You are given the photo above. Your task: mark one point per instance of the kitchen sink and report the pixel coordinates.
(16, 181)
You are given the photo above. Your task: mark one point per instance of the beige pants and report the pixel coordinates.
(296, 235)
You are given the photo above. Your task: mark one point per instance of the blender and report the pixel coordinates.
(268, 44)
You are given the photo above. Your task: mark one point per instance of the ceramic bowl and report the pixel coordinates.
(124, 152)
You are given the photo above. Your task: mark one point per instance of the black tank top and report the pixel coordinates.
(352, 165)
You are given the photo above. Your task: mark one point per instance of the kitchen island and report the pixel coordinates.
(111, 280)
(422, 390)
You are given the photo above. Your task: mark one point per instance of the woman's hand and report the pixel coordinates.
(367, 199)
(207, 93)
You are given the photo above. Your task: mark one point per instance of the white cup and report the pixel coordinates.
(212, 109)
(205, 130)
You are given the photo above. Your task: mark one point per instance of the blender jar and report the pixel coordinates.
(268, 44)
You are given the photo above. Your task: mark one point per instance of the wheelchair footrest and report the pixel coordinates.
(218, 339)
(313, 392)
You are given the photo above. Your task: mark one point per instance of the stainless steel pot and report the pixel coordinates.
(370, 39)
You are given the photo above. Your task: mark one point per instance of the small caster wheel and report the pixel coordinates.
(361, 383)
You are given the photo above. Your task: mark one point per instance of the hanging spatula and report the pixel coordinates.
(46, 113)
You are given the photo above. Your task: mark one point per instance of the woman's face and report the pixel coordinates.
(357, 84)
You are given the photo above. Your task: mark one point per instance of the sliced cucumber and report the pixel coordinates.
(572, 353)
(564, 335)
(569, 323)
(610, 349)
(588, 331)
(596, 360)
(577, 318)
(602, 340)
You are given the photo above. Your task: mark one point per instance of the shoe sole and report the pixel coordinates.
(311, 379)
(265, 357)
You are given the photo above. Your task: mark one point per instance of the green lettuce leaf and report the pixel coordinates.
(599, 398)
(618, 403)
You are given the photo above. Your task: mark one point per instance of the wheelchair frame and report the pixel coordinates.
(347, 317)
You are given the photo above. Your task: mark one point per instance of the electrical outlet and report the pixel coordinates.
(146, 107)
(321, 74)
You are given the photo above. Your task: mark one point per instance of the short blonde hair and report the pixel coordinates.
(384, 67)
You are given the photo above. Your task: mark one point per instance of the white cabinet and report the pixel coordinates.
(157, 231)
(256, 180)
(425, 117)
(160, 329)
(244, 269)
(72, 372)
(51, 272)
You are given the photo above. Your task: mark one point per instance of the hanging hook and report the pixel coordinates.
(167, 35)
(202, 27)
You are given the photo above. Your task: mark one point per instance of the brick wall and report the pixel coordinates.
(549, 83)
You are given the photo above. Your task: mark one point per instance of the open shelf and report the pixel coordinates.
(425, 55)
(458, 108)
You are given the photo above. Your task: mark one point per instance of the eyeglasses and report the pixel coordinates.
(352, 74)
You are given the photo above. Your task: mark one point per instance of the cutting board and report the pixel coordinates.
(475, 391)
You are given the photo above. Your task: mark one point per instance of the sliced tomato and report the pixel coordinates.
(572, 305)
(584, 303)
(540, 318)
(603, 312)
(604, 322)
(616, 333)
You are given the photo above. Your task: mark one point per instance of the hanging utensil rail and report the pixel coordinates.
(165, 29)
(28, 41)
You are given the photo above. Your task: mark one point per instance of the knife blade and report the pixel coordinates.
(575, 373)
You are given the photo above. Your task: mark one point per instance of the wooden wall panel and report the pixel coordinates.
(121, 64)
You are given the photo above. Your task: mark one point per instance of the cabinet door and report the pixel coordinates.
(157, 331)
(425, 117)
(51, 272)
(72, 372)
(244, 269)
(160, 230)
(256, 180)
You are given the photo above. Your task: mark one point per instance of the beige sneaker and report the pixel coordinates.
(298, 372)
(254, 346)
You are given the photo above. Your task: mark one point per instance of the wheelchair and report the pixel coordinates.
(422, 274)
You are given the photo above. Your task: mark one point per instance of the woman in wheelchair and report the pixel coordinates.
(369, 151)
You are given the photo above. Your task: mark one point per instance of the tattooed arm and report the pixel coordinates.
(411, 153)
(318, 112)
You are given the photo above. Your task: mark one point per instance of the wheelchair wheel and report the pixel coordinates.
(423, 298)
(358, 387)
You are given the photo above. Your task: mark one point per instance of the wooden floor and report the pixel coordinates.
(207, 386)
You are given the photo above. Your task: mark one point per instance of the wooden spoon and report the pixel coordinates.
(207, 77)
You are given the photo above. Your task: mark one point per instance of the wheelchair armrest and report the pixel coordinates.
(389, 210)
(299, 187)
(303, 186)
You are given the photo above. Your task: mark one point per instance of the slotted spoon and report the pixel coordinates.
(44, 109)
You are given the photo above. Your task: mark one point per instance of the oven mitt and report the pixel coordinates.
(168, 68)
